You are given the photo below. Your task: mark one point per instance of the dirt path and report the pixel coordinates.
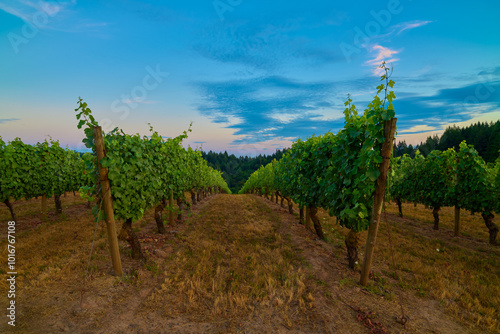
(341, 301)
(239, 264)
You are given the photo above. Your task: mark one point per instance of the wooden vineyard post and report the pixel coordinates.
(308, 218)
(378, 201)
(107, 202)
(171, 208)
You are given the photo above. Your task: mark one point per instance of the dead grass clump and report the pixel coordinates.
(463, 273)
(232, 263)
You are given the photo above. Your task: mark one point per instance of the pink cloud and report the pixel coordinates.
(381, 54)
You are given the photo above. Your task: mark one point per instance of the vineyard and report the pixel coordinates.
(336, 236)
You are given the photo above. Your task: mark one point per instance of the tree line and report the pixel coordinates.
(484, 136)
(236, 170)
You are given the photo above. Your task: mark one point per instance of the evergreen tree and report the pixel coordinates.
(485, 137)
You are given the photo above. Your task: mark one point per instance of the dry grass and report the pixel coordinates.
(233, 261)
(462, 273)
(228, 267)
(50, 253)
(44, 252)
(217, 269)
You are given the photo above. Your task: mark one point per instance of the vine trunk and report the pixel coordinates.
(352, 242)
(492, 227)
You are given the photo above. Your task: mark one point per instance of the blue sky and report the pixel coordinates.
(252, 76)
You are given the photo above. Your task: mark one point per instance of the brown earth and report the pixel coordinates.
(238, 264)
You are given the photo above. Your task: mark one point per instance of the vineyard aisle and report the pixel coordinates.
(238, 264)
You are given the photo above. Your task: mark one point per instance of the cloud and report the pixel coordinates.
(491, 72)
(397, 29)
(381, 54)
(277, 108)
(13, 11)
(447, 106)
(418, 129)
(480, 92)
(86, 25)
(5, 120)
(33, 12)
(266, 43)
(373, 42)
(270, 107)
(409, 25)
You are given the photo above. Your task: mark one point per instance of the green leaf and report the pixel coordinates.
(373, 174)
(106, 162)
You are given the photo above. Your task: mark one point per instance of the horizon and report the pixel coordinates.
(415, 146)
(252, 77)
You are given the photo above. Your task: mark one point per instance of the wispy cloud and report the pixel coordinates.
(447, 106)
(5, 120)
(92, 25)
(491, 72)
(418, 129)
(277, 108)
(28, 11)
(271, 107)
(380, 54)
(265, 43)
(399, 28)
(14, 11)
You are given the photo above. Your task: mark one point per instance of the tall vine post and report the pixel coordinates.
(308, 218)
(378, 201)
(107, 202)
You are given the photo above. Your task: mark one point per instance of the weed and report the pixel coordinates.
(321, 283)
(152, 266)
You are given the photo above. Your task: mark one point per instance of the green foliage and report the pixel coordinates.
(485, 137)
(475, 190)
(143, 170)
(336, 171)
(18, 164)
(428, 181)
(448, 178)
(34, 170)
(236, 170)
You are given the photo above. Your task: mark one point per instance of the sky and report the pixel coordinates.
(251, 76)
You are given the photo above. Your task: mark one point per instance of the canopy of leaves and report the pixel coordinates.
(34, 170)
(448, 178)
(335, 171)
